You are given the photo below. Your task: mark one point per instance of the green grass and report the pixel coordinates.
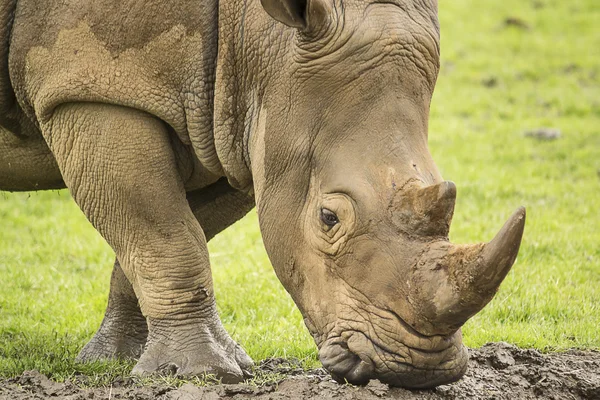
(496, 82)
(545, 76)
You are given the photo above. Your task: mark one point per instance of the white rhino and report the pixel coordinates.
(168, 121)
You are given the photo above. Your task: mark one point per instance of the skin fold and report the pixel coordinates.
(168, 121)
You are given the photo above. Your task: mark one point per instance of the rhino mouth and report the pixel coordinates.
(414, 362)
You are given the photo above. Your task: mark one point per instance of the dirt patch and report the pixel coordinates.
(497, 371)
(544, 133)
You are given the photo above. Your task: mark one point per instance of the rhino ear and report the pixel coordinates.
(301, 14)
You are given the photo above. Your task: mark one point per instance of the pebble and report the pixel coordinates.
(544, 133)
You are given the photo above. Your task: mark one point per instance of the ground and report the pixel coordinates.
(498, 371)
(515, 120)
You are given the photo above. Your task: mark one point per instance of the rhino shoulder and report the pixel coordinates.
(137, 54)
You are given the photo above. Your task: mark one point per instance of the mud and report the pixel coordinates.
(497, 371)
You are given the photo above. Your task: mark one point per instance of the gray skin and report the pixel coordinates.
(168, 120)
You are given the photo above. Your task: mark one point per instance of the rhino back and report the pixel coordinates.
(155, 56)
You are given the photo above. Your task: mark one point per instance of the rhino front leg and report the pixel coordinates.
(120, 168)
(216, 208)
(123, 331)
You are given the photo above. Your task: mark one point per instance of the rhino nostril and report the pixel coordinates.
(346, 366)
(338, 360)
(361, 374)
(341, 364)
(168, 369)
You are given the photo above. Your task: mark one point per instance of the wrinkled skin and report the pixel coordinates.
(167, 122)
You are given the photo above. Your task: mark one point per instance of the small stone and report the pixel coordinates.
(516, 23)
(186, 392)
(518, 380)
(377, 388)
(502, 359)
(490, 82)
(544, 133)
(232, 390)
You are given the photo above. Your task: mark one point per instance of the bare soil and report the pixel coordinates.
(497, 371)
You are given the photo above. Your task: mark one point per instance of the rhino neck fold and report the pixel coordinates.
(246, 63)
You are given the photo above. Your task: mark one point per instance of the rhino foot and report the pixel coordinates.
(193, 350)
(109, 344)
(123, 332)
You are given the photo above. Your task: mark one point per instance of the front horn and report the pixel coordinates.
(474, 273)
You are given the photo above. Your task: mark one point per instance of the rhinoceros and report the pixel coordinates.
(169, 121)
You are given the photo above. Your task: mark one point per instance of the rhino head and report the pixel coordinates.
(353, 210)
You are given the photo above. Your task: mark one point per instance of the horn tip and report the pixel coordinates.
(521, 212)
(516, 223)
(508, 240)
(450, 188)
(518, 219)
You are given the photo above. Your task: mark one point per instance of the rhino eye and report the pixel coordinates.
(328, 217)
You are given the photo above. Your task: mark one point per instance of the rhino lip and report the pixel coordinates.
(345, 366)
(448, 355)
